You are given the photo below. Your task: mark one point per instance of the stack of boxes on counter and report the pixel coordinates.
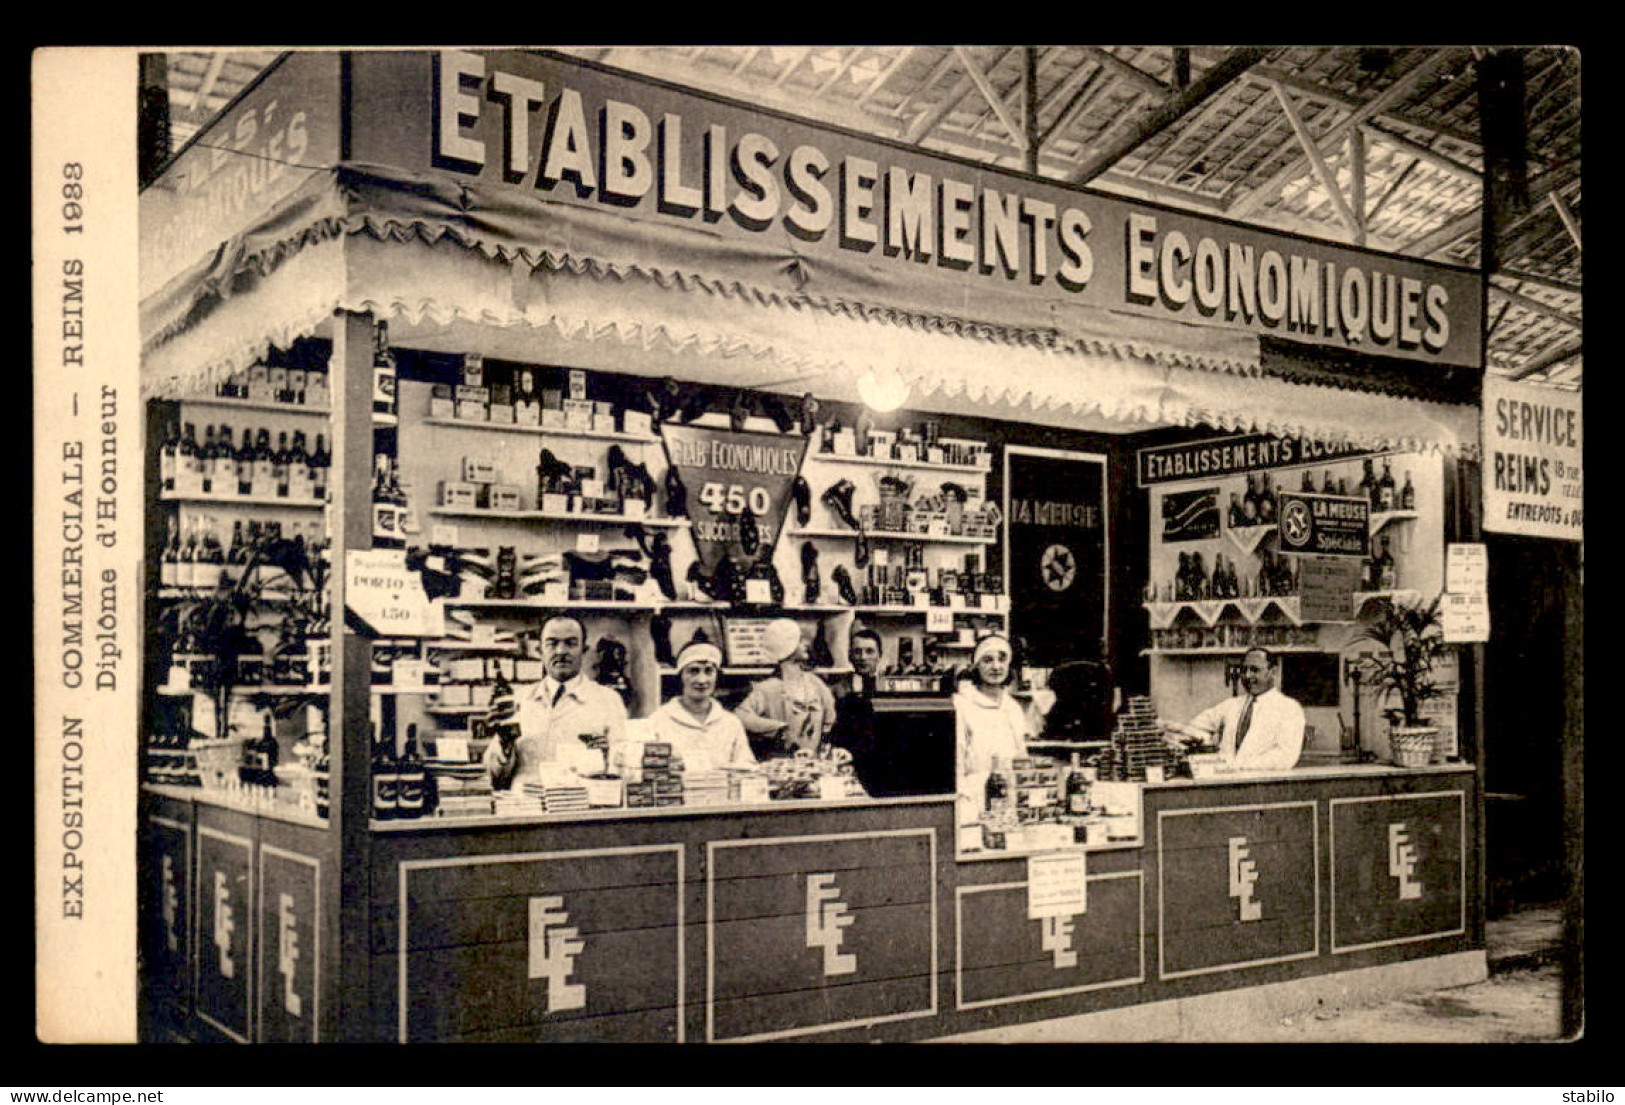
(1137, 749)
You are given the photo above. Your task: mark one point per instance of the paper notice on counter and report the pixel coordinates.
(1057, 885)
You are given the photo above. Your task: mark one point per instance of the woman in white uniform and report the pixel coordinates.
(699, 730)
(988, 723)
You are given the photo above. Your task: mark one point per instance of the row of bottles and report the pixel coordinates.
(402, 787)
(1193, 582)
(1257, 505)
(999, 795)
(199, 559)
(251, 467)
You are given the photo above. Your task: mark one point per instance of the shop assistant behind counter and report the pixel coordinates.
(1258, 730)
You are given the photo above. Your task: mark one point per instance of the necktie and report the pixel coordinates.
(1242, 723)
(558, 694)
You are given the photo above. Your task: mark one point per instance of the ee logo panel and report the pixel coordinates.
(561, 946)
(1397, 869)
(1237, 887)
(167, 912)
(288, 961)
(225, 939)
(812, 933)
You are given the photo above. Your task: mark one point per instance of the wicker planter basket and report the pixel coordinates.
(1412, 747)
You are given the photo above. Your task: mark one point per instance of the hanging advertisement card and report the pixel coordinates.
(1190, 515)
(1533, 482)
(1465, 617)
(1326, 587)
(734, 479)
(1327, 525)
(1466, 569)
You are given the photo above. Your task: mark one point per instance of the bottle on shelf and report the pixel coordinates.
(169, 457)
(1308, 482)
(410, 777)
(1077, 789)
(1249, 503)
(321, 467)
(225, 463)
(264, 469)
(383, 375)
(1234, 518)
(169, 560)
(385, 779)
(1328, 486)
(186, 558)
(242, 465)
(385, 519)
(279, 465)
(1387, 494)
(1387, 572)
(298, 468)
(189, 466)
(1266, 500)
(1368, 482)
(1407, 494)
(211, 560)
(1201, 585)
(206, 460)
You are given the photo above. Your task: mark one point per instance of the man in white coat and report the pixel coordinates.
(1258, 730)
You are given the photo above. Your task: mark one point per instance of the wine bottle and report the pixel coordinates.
(410, 777)
(1201, 586)
(205, 461)
(185, 564)
(1077, 790)
(243, 463)
(225, 463)
(298, 468)
(1407, 494)
(1308, 481)
(1386, 494)
(1368, 483)
(264, 471)
(996, 793)
(169, 456)
(384, 532)
(1234, 518)
(1249, 503)
(279, 465)
(169, 562)
(383, 375)
(1266, 500)
(385, 779)
(1387, 570)
(188, 470)
(1328, 486)
(320, 468)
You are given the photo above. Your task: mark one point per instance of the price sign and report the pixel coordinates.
(1465, 618)
(1057, 885)
(586, 542)
(380, 590)
(1466, 569)
(939, 619)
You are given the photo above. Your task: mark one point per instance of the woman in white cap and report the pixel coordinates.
(699, 730)
(989, 723)
(794, 709)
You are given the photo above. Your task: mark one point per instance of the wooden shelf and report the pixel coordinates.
(764, 669)
(883, 462)
(243, 500)
(269, 689)
(905, 611)
(545, 604)
(890, 535)
(1377, 522)
(545, 431)
(257, 405)
(555, 516)
(1231, 650)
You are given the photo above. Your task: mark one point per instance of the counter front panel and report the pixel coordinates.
(1399, 869)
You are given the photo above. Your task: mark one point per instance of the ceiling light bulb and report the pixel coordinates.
(882, 390)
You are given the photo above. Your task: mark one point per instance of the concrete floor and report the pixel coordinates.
(1520, 1002)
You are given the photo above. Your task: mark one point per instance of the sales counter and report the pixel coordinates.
(797, 920)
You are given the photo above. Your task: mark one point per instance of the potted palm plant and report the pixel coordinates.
(1411, 642)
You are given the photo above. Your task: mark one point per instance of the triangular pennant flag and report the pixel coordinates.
(727, 473)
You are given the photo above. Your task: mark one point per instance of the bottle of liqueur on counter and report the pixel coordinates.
(1077, 790)
(996, 792)
(1407, 494)
(411, 778)
(321, 466)
(258, 765)
(1387, 492)
(383, 376)
(386, 779)
(1266, 500)
(1249, 503)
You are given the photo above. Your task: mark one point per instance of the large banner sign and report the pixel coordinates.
(1228, 456)
(571, 133)
(735, 480)
(1056, 513)
(1532, 463)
